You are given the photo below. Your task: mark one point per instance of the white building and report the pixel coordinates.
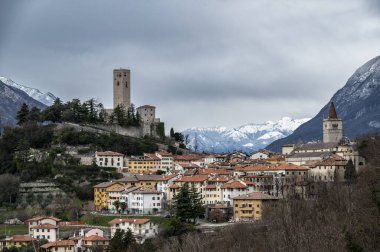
(44, 228)
(141, 228)
(110, 159)
(166, 160)
(260, 155)
(233, 189)
(143, 201)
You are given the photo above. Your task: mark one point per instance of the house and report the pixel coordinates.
(328, 170)
(145, 201)
(141, 165)
(186, 159)
(233, 189)
(95, 243)
(249, 207)
(156, 166)
(141, 228)
(110, 159)
(183, 167)
(101, 200)
(166, 160)
(261, 154)
(114, 194)
(42, 227)
(236, 157)
(60, 246)
(196, 181)
(17, 241)
(46, 231)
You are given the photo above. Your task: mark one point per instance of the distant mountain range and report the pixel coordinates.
(13, 95)
(357, 103)
(45, 98)
(247, 138)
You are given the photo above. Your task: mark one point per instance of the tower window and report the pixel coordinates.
(126, 84)
(118, 83)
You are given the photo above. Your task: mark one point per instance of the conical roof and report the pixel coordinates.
(332, 111)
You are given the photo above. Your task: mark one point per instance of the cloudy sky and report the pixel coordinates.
(202, 63)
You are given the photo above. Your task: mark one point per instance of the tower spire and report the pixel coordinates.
(332, 111)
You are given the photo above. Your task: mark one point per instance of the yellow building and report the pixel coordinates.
(249, 207)
(17, 241)
(101, 195)
(142, 165)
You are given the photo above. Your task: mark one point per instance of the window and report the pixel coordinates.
(118, 84)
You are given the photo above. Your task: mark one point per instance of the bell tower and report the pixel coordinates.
(122, 88)
(332, 126)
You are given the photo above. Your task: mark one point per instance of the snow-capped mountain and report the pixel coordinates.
(247, 138)
(45, 98)
(11, 99)
(357, 103)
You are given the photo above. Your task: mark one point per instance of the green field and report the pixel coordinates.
(6, 230)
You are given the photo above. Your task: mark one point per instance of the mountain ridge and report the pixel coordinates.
(11, 100)
(247, 138)
(357, 103)
(44, 98)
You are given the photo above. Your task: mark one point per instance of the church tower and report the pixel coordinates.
(121, 88)
(332, 126)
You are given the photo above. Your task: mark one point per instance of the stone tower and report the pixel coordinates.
(332, 126)
(121, 88)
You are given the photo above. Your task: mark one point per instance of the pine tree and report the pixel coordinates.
(22, 114)
(196, 204)
(116, 243)
(172, 133)
(182, 204)
(128, 239)
(34, 115)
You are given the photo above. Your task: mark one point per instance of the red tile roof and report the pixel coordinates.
(47, 226)
(233, 185)
(215, 171)
(220, 179)
(64, 243)
(128, 220)
(37, 218)
(20, 238)
(106, 184)
(195, 178)
(95, 238)
(108, 153)
(255, 196)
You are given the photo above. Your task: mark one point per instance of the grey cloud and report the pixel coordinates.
(203, 57)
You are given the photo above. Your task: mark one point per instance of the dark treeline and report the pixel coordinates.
(77, 112)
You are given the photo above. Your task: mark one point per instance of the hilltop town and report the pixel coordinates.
(139, 196)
